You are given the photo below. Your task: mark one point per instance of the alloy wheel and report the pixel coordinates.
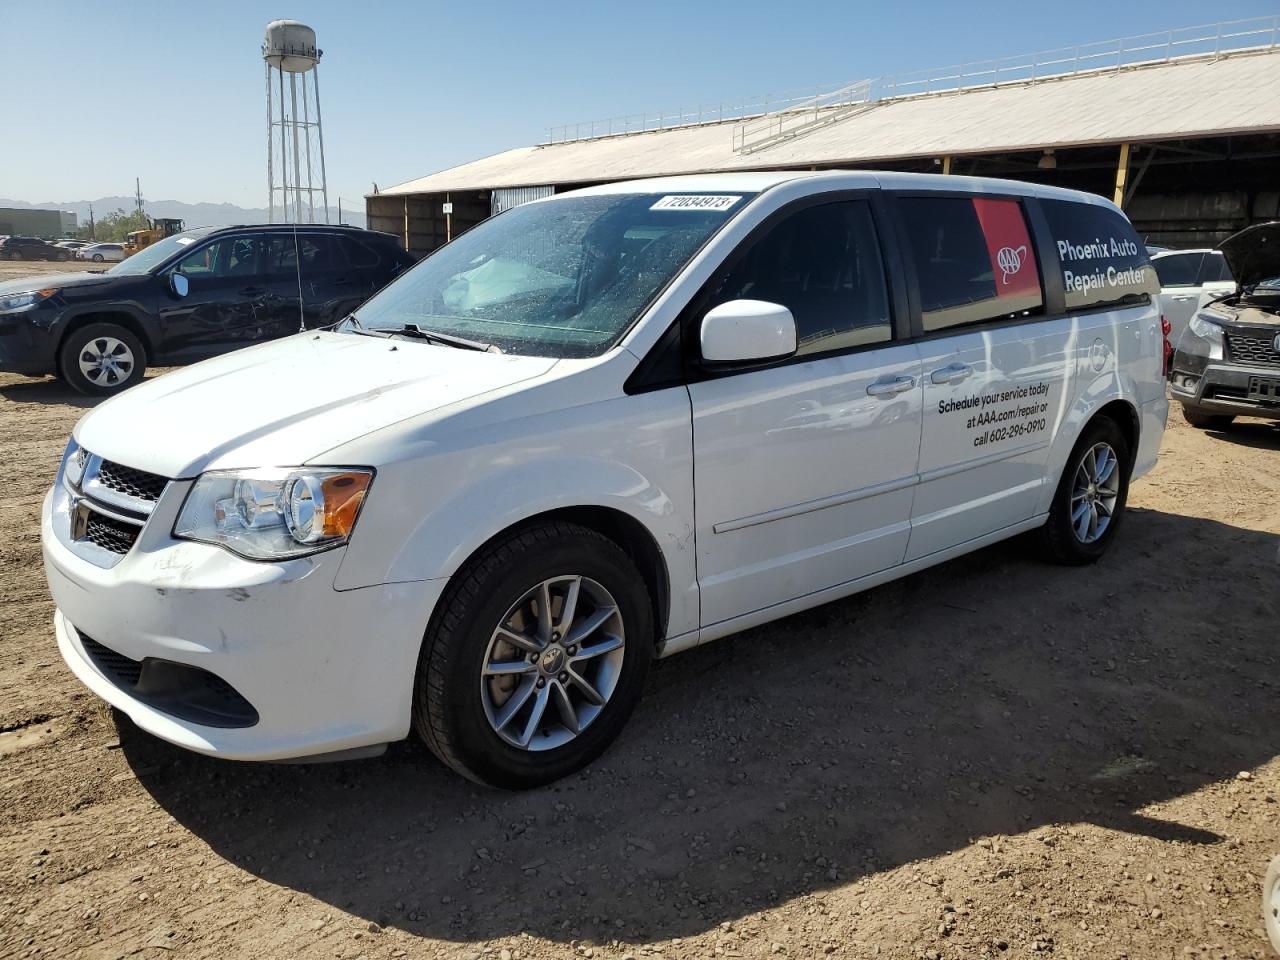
(106, 361)
(552, 663)
(1094, 493)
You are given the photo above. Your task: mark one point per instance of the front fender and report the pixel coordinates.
(427, 514)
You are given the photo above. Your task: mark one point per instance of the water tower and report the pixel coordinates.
(295, 140)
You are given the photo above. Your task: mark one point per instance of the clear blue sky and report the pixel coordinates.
(96, 94)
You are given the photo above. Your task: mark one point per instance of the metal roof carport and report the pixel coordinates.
(1199, 135)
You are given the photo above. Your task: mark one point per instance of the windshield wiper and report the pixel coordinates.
(448, 339)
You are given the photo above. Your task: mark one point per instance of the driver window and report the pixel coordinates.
(823, 264)
(230, 257)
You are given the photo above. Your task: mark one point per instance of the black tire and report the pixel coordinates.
(99, 338)
(449, 713)
(1059, 540)
(15, 255)
(1207, 421)
(97, 258)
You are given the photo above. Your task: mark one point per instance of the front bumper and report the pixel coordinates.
(1221, 387)
(324, 670)
(27, 347)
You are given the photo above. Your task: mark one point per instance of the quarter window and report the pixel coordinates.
(974, 260)
(823, 264)
(1104, 264)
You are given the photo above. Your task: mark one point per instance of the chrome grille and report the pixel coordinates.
(1246, 348)
(131, 482)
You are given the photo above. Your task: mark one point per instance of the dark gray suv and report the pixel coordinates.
(1227, 363)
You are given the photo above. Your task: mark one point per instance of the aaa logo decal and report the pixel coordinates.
(1010, 260)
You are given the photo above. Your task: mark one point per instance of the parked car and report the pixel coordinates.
(31, 248)
(1184, 276)
(1227, 364)
(188, 297)
(562, 446)
(102, 252)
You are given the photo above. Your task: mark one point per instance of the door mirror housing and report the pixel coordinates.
(747, 331)
(179, 284)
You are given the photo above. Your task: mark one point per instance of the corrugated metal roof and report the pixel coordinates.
(1201, 97)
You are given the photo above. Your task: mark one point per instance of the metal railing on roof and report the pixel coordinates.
(765, 115)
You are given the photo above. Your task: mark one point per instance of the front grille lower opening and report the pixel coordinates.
(178, 689)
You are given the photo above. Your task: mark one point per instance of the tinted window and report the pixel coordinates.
(228, 257)
(974, 259)
(1214, 268)
(1178, 269)
(357, 253)
(823, 264)
(1103, 261)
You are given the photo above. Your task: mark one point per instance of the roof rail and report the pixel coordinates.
(765, 120)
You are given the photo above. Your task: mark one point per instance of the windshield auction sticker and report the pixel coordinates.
(690, 201)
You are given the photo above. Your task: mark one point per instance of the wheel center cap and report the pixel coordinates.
(552, 659)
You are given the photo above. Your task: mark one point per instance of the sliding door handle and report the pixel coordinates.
(952, 373)
(889, 388)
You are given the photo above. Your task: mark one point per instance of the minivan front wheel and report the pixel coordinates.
(1091, 496)
(536, 657)
(101, 359)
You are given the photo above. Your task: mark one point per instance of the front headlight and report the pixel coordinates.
(1204, 328)
(18, 302)
(275, 513)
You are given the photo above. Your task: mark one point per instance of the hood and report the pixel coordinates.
(285, 402)
(1253, 254)
(53, 280)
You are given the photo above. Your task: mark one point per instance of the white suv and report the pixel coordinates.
(597, 429)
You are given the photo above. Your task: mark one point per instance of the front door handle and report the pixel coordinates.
(952, 373)
(889, 388)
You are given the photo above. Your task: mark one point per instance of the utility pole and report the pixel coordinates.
(137, 182)
(93, 230)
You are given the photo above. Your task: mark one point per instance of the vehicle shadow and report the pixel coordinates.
(1259, 434)
(991, 695)
(46, 391)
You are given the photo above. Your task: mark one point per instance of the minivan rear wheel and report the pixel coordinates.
(536, 657)
(1091, 496)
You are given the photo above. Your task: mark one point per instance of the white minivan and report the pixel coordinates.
(597, 429)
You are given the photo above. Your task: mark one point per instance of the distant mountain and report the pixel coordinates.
(195, 214)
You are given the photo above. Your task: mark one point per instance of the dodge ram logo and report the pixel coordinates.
(1010, 260)
(1275, 344)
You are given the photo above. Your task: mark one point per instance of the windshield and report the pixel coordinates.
(158, 252)
(557, 278)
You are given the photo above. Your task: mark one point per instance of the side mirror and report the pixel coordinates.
(743, 331)
(179, 284)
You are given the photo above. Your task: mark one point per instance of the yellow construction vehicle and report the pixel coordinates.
(160, 228)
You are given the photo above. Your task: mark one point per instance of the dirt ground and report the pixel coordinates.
(992, 758)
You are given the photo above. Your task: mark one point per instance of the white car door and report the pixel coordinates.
(994, 379)
(1179, 288)
(804, 469)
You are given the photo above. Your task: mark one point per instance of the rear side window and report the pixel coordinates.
(1178, 269)
(358, 254)
(1104, 264)
(823, 264)
(1214, 269)
(974, 260)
